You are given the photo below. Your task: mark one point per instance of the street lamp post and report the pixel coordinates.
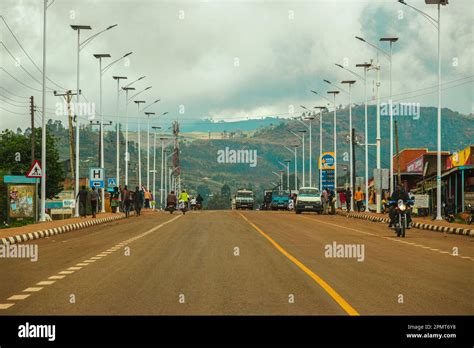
(437, 25)
(100, 56)
(366, 132)
(127, 155)
(76, 179)
(391, 40)
(117, 149)
(155, 128)
(351, 141)
(303, 132)
(80, 46)
(138, 102)
(148, 114)
(334, 93)
(43, 121)
(321, 108)
(295, 162)
(310, 117)
(162, 169)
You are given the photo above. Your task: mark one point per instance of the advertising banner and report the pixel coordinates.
(21, 201)
(326, 161)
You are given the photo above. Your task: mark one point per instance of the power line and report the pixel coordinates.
(15, 95)
(13, 77)
(16, 101)
(26, 53)
(21, 66)
(13, 112)
(18, 106)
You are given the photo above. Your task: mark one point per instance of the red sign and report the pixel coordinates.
(35, 170)
(415, 166)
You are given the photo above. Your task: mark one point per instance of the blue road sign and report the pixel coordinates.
(111, 182)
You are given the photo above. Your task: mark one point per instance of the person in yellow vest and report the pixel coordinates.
(183, 200)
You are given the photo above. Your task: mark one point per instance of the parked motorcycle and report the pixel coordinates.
(401, 221)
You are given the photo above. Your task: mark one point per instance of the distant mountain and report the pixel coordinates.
(199, 158)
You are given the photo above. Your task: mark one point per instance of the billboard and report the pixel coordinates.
(21, 201)
(326, 161)
(460, 158)
(416, 166)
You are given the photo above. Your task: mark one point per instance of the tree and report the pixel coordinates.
(15, 152)
(225, 191)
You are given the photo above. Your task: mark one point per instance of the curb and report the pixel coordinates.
(421, 226)
(56, 230)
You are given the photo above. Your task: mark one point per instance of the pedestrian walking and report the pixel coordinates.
(82, 197)
(342, 197)
(126, 201)
(139, 199)
(359, 199)
(324, 200)
(147, 199)
(94, 196)
(348, 199)
(114, 200)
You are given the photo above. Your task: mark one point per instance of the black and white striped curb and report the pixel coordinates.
(57, 230)
(421, 226)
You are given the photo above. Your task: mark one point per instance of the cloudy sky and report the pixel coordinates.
(233, 59)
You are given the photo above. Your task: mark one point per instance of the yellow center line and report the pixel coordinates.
(334, 295)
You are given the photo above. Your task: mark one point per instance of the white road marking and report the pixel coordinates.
(6, 305)
(74, 268)
(66, 272)
(18, 297)
(392, 239)
(57, 277)
(32, 289)
(46, 282)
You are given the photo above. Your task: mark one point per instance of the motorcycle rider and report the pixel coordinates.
(171, 200)
(183, 196)
(399, 194)
(193, 203)
(199, 200)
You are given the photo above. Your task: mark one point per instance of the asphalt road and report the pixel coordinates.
(243, 263)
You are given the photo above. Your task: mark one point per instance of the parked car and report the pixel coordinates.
(308, 199)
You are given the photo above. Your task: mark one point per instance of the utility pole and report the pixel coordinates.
(353, 164)
(32, 113)
(399, 175)
(68, 97)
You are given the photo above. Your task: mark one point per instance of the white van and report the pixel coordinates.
(308, 199)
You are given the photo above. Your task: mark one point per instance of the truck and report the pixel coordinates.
(280, 200)
(244, 199)
(308, 199)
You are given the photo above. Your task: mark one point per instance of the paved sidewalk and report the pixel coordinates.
(49, 228)
(418, 222)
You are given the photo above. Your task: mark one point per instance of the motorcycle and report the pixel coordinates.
(448, 213)
(401, 222)
(170, 207)
(182, 206)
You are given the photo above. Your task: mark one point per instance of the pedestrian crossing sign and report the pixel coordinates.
(111, 182)
(35, 170)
